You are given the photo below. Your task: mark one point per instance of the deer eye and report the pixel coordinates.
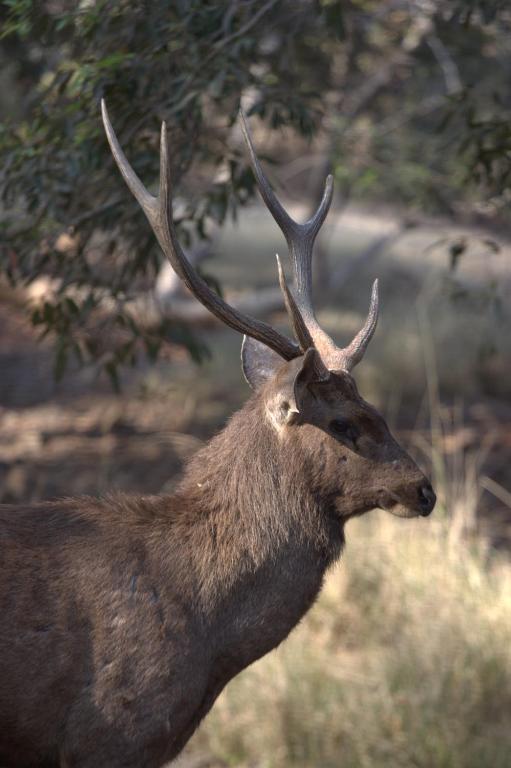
(345, 429)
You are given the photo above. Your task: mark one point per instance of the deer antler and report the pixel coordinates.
(158, 211)
(300, 239)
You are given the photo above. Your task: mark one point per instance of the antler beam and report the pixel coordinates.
(158, 211)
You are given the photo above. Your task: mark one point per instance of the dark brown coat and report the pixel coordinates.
(122, 619)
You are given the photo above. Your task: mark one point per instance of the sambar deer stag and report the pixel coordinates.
(122, 618)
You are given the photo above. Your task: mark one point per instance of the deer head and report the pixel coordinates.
(304, 387)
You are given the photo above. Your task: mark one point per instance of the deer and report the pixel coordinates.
(122, 618)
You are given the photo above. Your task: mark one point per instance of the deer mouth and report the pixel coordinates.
(391, 502)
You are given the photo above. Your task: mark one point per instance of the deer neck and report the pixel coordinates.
(250, 508)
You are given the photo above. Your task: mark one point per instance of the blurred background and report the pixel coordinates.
(111, 375)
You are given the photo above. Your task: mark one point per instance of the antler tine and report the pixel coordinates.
(158, 211)
(147, 202)
(300, 237)
(274, 205)
(354, 352)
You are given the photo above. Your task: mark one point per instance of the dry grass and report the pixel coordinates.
(404, 661)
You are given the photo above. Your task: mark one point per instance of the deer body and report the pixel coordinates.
(122, 619)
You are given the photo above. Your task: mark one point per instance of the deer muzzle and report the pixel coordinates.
(416, 501)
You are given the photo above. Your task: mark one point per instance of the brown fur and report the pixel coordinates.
(122, 619)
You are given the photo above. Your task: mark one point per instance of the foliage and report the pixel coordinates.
(411, 98)
(184, 62)
(434, 133)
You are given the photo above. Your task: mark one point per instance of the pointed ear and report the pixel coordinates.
(312, 371)
(258, 362)
(289, 405)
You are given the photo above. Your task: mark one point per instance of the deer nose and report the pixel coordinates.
(427, 499)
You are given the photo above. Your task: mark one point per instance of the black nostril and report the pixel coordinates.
(427, 499)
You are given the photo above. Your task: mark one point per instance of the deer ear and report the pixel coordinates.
(312, 371)
(290, 404)
(258, 362)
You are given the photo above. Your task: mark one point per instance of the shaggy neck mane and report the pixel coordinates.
(248, 496)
